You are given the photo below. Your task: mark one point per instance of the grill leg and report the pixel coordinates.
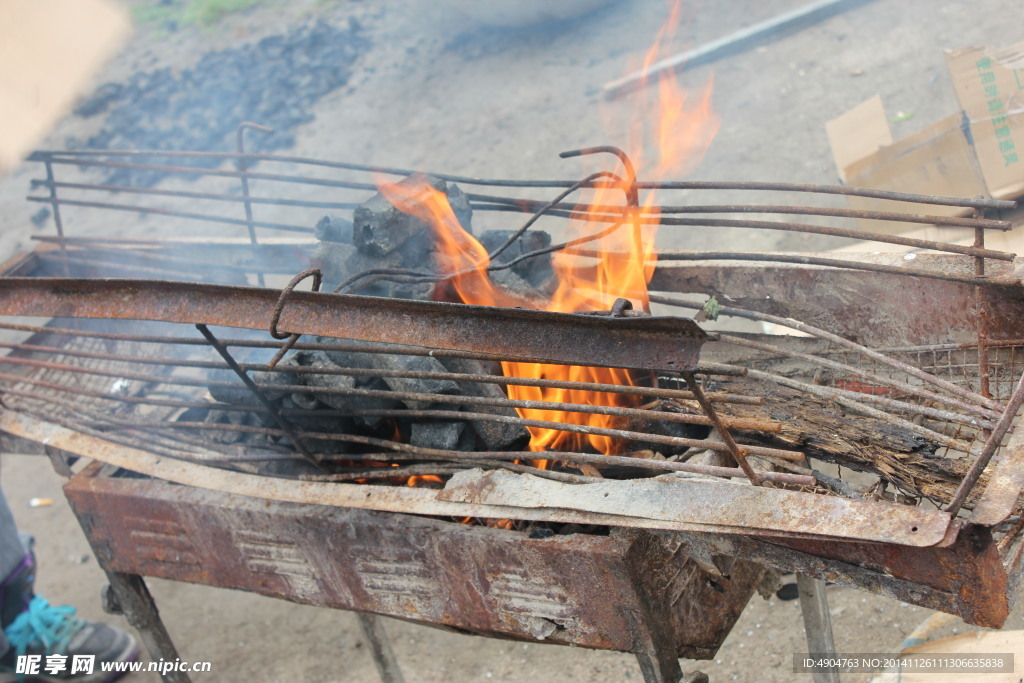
(131, 596)
(380, 647)
(817, 623)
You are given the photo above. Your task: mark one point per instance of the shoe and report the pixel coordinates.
(58, 641)
(56, 646)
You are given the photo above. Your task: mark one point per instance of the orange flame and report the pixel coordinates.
(680, 127)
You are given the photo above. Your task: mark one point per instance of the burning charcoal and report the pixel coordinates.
(338, 262)
(379, 228)
(497, 436)
(537, 271)
(334, 229)
(444, 435)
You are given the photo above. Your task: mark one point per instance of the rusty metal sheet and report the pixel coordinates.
(969, 570)
(713, 518)
(677, 499)
(857, 305)
(364, 496)
(591, 591)
(652, 343)
(999, 498)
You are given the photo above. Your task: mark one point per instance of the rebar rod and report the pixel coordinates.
(505, 204)
(69, 157)
(842, 341)
(617, 411)
(825, 393)
(628, 435)
(652, 392)
(738, 453)
(801, 259)
(157, 211)
(283, 423)
(430, 398)
(988, 450)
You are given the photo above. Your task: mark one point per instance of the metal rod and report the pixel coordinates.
(430, 398)
(842, 341)
(663, 465)
(505, 204)
(666, 256)
(981, 294)
(817, 625)
(258, 393)
(823, 392)
(156, 211)
(738, 453)
(80, 158)
(852, 369)
(243, 166)
(733, 43)
(57, 219)
(644, 437)
(988, 450)
(653, 392)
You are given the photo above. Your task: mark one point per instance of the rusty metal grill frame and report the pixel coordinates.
(977, 574)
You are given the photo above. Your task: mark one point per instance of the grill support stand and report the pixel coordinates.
(817, 623)
(380, 646)
(127, 594)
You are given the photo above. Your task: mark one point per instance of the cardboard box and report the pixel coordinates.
(978, 151)
(990, 88)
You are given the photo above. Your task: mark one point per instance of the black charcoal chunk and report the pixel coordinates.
(378, 228)
(536, 270)
(496, 436)
(443, 435)
(334, 229)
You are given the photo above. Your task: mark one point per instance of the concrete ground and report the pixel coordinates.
(439, 91)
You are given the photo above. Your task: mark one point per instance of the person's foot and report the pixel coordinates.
(54, 645)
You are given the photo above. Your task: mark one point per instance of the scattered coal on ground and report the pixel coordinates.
(274, 81)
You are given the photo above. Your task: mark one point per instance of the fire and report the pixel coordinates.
(679, 127)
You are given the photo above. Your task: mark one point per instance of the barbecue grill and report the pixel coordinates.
(874, 451)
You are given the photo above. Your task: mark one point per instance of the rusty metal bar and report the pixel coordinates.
(650, 343)
(842, 341)
(243, 168)
(285, 426)
(437, 398)
(57, 219)
(189, 194)
(109, 421)
(617, 411)
(69, 157)
(651, 392)
(788, 227)
(852, 369)
(530, 205)
(629, 435)
(979, 271)
(157, 211)
(822, 261)
(936, 437)
(738, 453)
(988, 450)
